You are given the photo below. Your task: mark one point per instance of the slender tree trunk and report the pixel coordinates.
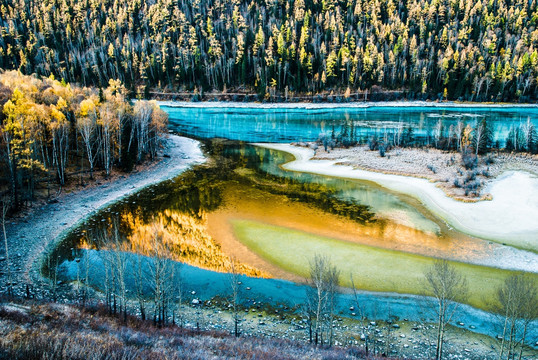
(503, 336)
(8, 265)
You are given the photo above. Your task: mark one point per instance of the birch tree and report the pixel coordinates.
(59, 127)
(323, 281)
(108, 126)
(449, 288)
(87, 127)
(162, 272)
(516, 302)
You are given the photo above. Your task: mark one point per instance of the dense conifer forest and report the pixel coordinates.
(481, 50)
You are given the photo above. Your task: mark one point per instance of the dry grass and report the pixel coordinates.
(53, 331)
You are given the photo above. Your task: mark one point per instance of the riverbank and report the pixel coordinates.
(271, 308)
(509, 217)
(29, 238)
(444, 168)
(206, 333)
(412, 104)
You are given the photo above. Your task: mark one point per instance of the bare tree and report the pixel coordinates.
(141, 126)
(482, 137)
(148, 122)
(5, 208)
(60, 145)
(358, 304)
(307, 310)
(87, 127)
(333, 276)
(459, 134)
(234, 277)
(140, 278)
(448, 287)
(438, 133)
(119, 268)
(517, 298)
(527, 84)
(478, 83)
(162, 274)
(177, 299)
(109, 124)
(323, 281)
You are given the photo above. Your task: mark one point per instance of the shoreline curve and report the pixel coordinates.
(31, 238)
(509, 218)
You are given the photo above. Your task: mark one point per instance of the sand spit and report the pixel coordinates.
(509, 217)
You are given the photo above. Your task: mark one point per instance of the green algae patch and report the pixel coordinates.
(373, 269)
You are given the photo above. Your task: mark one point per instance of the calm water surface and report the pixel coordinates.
(299, 124)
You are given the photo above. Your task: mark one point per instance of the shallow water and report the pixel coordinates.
(205, 285)
(209, 190)
(194, 216)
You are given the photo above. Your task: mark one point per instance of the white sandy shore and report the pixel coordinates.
(350, 105)
(32, 237)
(511, 217)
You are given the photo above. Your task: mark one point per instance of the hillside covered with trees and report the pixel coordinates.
(470, 50)
(50, 130)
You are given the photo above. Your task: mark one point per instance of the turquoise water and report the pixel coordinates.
(306, 124)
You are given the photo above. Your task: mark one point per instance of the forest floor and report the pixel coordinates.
(30, 236)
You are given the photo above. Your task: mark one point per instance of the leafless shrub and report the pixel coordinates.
(449, 288)
(468, 159)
